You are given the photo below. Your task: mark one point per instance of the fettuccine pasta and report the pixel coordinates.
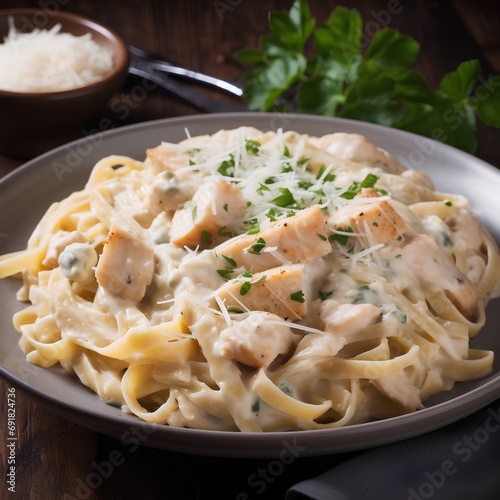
(258, 281)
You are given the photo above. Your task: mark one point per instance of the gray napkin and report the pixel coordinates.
(459, 461)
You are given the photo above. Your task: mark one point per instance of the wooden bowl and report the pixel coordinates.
(31, 123)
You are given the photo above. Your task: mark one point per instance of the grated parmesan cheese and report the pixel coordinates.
(50, 61)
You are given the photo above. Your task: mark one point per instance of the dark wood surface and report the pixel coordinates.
(56, 458)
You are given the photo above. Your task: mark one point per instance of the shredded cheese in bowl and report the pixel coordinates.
(50, 61)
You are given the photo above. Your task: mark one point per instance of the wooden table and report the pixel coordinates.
(56, 458)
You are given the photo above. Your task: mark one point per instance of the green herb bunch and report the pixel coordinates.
(377, 86)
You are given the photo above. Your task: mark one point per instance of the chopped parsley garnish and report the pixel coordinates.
(262, 187)
(223, 231)
(235, 310)
(205, 236)
(271, 214)
(225, 273)
(230, 261)
(368, 182)
(285, 199)
(247, 285)
(305, 184)
(227, 167)
(321, 236)
(341, 238)
(226, 207)
(252, 146)
(254, 229)
(448, 203)
(286, 152)
(258, 245)
(323, 295)
(328, 177)
(298, 296)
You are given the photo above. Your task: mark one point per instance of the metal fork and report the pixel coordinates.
(143, 69)
(188, 74)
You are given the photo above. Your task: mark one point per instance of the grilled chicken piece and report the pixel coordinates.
(427, 260)
(357, 148)
(281, 291)
(297, 239)
(377, 220)
(346, 320)
(215, 205)
(126, 265)
(254, 341)
(398, 387)
(165, 157)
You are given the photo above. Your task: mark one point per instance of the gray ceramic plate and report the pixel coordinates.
(27, 192)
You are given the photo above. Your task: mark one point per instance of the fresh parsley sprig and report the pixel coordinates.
(377, 86)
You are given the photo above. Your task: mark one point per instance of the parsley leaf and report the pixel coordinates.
(368, 182)
(227, 167)
(247, 285)
(298, 296)
(254, 229)
(205, 236)
(245, 288)
(252, 146)
(223, 231)
(230, 261)
(258, 245)
(328, 177)
(285, 199)
(341, 238)
(225, 273)
(335, 78)
(324, 295)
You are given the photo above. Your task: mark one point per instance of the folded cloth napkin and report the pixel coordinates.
(459, 461)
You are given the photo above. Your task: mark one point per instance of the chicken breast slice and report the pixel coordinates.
(377, 220)
(297, 239)
(254, 341)
(430, 264)
(282, 291)
(216, 204)
(166, 157)
(468, 237)
(358, 148)
(398, 387)
(348, 320)
(126, 265)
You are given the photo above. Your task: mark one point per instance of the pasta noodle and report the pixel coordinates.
(258, 281)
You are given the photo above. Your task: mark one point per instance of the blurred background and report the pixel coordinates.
(205, 34)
